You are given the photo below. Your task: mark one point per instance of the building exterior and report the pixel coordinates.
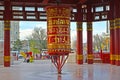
(14, 33)
(14, 30)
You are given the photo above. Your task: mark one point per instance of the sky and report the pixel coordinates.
(26, 28)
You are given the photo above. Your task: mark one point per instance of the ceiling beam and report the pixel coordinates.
(82, 1)
(44, 2)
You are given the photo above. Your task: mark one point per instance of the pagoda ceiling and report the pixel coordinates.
(34, 10)
(54, 2)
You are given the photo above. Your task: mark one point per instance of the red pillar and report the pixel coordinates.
(89, 35)
(117, 31)
(79, 18)
(117, 43)
(112, 33)
(7, 15)
(112, 42)
(89, 43)
(79, 43)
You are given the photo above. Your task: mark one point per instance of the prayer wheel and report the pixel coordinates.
(58, 30)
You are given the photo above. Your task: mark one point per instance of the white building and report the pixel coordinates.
(14, 33)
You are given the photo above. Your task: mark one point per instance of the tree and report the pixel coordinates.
(97, 42)
(101, 42)
(38, 40)
(17, 45)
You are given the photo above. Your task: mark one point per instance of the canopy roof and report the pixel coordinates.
(34, 9)
(53, 2)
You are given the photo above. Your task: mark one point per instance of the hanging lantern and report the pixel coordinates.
(58, 30)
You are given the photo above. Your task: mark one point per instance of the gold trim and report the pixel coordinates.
(61, 26)
(117, 19)
(79, 29)
(7, 25)
(117, 57)
(7, 21)
(79, 23)
(112, 56)
(112, 24)
(90, 56)
(89, 29)
(59, 50)
(79, 26)
(65, 35)
(112, 28)
(59, 46)
(6, 28)
(79, 57)
(59, 17)
(6, 58)
(58, 21)
(89, 26)
(117, 23)
(117, 27)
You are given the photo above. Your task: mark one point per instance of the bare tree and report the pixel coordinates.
(38, 39)
(101, 42)
(17, 45)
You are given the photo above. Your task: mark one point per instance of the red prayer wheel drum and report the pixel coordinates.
(58, 30)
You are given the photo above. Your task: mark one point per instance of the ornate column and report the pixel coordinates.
(7, 16)
(112, 33)
(117, 32)
(89, 35)
(79, 17)
(89, 43)
(117, 40)
(79, 43)
(112, 42)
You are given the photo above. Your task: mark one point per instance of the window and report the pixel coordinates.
(29, 8)
(99, 9)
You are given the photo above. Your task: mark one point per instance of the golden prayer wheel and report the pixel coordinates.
(58, 30)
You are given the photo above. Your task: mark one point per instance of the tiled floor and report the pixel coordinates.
(44, 70)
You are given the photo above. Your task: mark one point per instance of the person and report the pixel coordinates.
(27, 59)
(31, 59)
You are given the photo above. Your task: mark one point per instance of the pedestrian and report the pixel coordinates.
(27, 59)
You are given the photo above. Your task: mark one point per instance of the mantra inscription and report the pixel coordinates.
(58, 30)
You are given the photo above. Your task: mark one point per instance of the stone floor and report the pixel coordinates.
(44, 70)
